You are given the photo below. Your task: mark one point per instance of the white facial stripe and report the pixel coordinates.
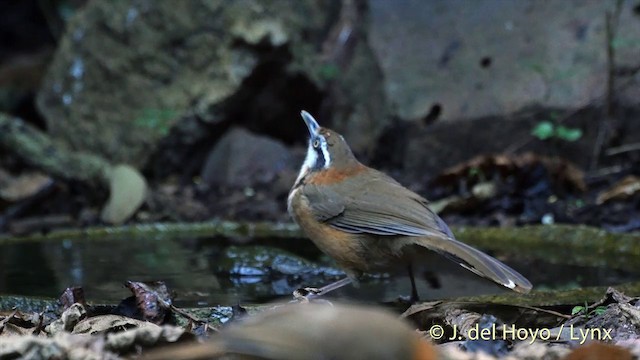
(325, 153)
(311, 159)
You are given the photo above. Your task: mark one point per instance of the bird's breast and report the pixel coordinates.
(345, 248)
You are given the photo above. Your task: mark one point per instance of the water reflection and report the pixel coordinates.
(207, 271)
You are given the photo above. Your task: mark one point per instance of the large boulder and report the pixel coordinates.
(127, 72)
(468, 59)
(242, 159)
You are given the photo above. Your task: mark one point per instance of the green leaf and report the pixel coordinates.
(600, 310)
(568, 134)
(544, 130)
(577, 309)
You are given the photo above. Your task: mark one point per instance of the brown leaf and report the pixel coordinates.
(68, 319)
(18, 323)
(61, 346)
(17, 188)
(147, 335)
(562, 171)
(621, 190)
(71, 296)
(152, 300)
(4, 321)
(102, 324)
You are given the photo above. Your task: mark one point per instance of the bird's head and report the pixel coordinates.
(327, 149)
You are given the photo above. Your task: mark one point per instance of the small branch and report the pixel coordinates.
(43, 152)
(611, 65)
(605, 125)
(187, 315)
(623, 149)
(599, 174)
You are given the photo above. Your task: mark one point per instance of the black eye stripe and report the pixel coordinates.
(320, 161)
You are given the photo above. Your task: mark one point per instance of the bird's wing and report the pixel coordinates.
(375, 204)
(325, 204)
(379, 205)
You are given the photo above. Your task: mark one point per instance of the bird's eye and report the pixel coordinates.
(316, 143)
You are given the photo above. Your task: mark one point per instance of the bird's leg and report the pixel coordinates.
(414, 290)
(308, 293)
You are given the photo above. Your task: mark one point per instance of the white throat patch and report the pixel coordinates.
(309, 160)
(312, 158)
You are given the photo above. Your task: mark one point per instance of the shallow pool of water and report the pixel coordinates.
(193, 269)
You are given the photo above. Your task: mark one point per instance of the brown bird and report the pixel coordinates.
(367, 222)
(309, 331)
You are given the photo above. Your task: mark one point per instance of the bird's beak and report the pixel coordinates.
(312, 124)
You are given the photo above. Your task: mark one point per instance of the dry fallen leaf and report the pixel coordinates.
(103, 324)
(621, 190)
(17, 188)
(152, 300)
(562, 171)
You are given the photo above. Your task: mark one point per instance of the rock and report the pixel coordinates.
(126, 73)
(243, 160)
(268, 261)
(430, 149)
(473, 59)
(127, 192)
(268, 270)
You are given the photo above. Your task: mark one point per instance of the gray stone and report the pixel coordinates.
(549, 53)
(241, 159)
(427, 150)
(128, 72)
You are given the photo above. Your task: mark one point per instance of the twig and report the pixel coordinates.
(555, 313)
(623, 149)
(605, 124)
(611, 26)
(187, 315)
(604, 172)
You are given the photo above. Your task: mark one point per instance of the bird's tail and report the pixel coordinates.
(477, 262)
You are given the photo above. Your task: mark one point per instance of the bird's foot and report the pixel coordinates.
(306, 294)
(407, 300)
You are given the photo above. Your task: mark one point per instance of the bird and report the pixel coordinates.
(309, 331)
(368, 223)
